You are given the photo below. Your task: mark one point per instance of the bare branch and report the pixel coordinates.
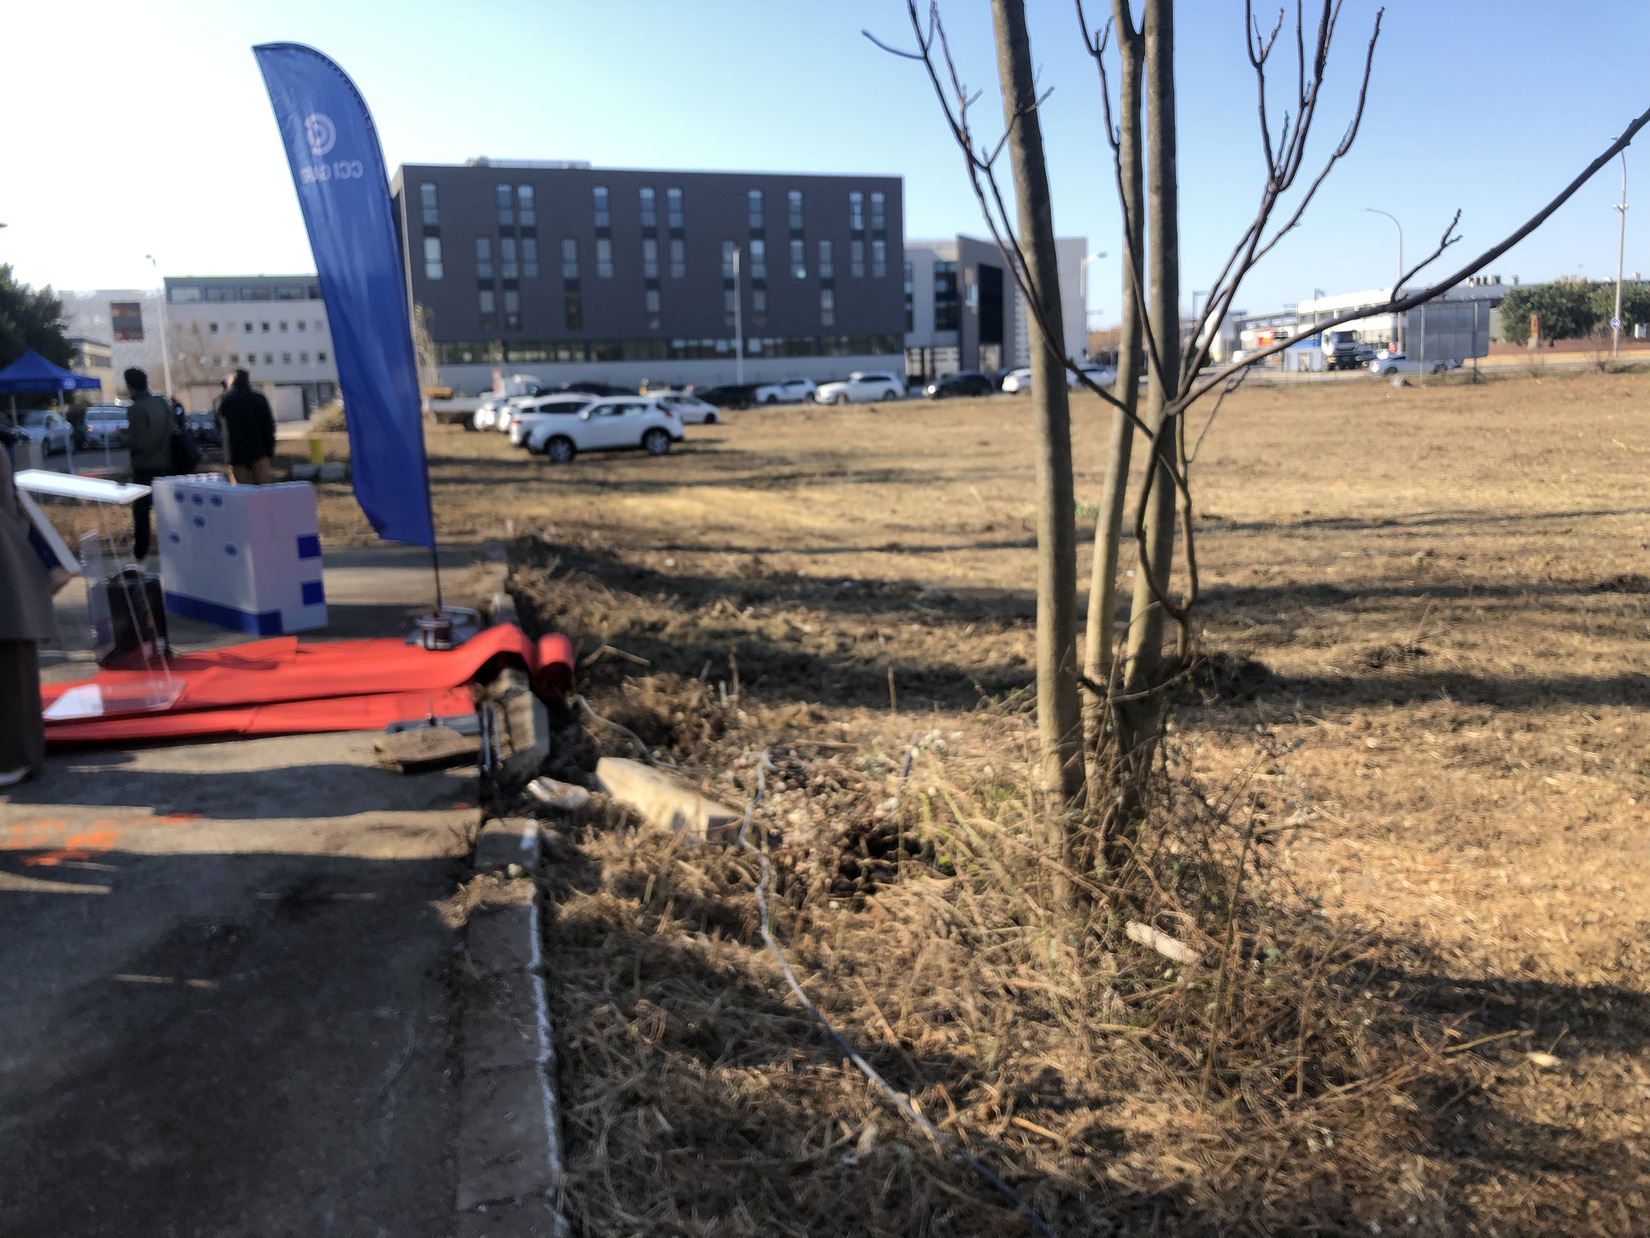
(1444, 243)
(892, 51)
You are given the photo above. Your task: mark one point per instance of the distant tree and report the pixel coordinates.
(1635, 304)
(1568, 309)
(30, 318)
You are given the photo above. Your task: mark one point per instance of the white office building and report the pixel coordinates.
(273, 326)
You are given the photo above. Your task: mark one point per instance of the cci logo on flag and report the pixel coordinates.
(320, 133)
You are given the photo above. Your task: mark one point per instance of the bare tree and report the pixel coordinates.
(1178, 378)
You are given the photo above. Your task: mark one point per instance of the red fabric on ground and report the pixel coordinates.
(278, 686)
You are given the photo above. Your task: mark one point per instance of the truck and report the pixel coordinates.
(1340, 350)
(441, 404)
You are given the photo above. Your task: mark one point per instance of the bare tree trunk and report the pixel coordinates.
(1059, 716)
(1108, 523)
(1143, 664)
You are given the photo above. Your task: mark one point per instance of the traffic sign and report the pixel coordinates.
(1615, 324)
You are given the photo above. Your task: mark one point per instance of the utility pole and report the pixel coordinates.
(1398, 325)
(165, 331)
(1621, 245)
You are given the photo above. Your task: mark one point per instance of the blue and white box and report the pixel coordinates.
(243, 557)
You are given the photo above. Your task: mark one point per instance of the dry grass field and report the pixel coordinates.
(1431, 609)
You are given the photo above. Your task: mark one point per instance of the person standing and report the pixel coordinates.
(248, 431)
(26, 619)
(150, 444)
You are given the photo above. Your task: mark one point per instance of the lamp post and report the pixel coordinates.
(165, 331)
(1398, 326)
(1621, 245)
(738, 325)
(1083, 294)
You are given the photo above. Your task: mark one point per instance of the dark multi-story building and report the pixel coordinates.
(569, 272)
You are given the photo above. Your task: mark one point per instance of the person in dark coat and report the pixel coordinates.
(149, 441)
(248, 431)
(26, 619)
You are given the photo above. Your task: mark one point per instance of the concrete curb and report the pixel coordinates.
(509, 1142)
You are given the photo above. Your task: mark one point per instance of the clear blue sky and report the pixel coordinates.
(1486, 105)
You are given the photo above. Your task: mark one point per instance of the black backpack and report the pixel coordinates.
(186, 452)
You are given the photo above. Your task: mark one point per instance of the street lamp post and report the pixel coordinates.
(1621, 245)
(1398, 327)
(1083, 293)
(738, 325)
(165, 331)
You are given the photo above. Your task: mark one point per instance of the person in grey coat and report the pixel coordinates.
(149, 441)
(26, 619)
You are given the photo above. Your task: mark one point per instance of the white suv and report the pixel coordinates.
(545, 410)
(861, 389)
(791, 391)
(608, 425)
(691, 409)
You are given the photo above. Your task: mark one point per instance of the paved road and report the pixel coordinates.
(226, 1001)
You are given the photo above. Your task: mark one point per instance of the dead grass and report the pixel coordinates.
(1429, 610)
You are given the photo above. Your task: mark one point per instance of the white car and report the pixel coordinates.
(791, 391)
(691, 410)
(106, 425)
(610, 425)
(43, 426)
(1099, 375)
(861, 388)
(545, 410)
(1018, 381)
(486, 415)
(1386, 364)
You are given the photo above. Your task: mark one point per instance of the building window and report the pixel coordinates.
(729, 250)
(506, 206)
(604, 258)
(759, 258)
(508, 268)
(303, 358)
(487, 303)
(215, 328)
(526, 211)
(234, 358)
(512, 310)
(947, 311)
(529, 257)
(650, 258)
(426, 197)
(321, 357)
(730, 306)
(604, 217)
(216, 360)
(827, 270)
(269, 358)
(650, 209)
(759, 306)
(265, 327)
(678, 258)
(569, 257)
(286, 358)
(126, 320)
(484, 257)
(879, 212)
(302, 325)
(856, 212)
(673, 209)
(187, 293)
(879, 259)
(910, 299)
(793, 203)
(827, 307)
(856, 259)
(799, 260)
(573, 308)
(754, 204)
(652, 299)
(283, 326)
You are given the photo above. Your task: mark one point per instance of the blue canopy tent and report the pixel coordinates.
(33, 373)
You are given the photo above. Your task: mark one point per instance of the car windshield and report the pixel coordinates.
(35, 418)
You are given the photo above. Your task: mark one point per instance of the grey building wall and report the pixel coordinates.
(688, 336)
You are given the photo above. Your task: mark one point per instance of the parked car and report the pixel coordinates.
(963, 382)
(690, 408)
(486, 415)
(50, 429)
(861, 388)
(728, 396)
(1388, 363)
(591, 387)
(1018, 382)
(610, 425)
(205, 428)
(543, 411)
(106, 425)
(791, 391)
(1099, 375)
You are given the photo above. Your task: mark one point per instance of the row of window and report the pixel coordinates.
(191, 294)
(520, 259)
(264, 327)
(494, 352)
(269, 358)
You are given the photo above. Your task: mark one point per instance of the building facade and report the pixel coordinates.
(569, 272)
(963, 310)
(128, 319)
(272, 326)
